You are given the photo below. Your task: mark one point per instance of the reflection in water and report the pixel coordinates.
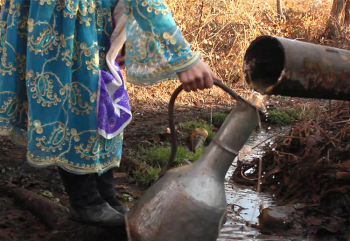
(244, 203)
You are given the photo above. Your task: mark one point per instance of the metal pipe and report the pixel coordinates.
(279, 66)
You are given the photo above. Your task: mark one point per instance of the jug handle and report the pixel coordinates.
(170, 162)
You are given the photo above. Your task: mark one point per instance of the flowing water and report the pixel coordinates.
(244, 203)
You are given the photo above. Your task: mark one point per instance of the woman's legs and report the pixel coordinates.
(87, 205)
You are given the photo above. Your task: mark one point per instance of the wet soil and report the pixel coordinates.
(244, 204)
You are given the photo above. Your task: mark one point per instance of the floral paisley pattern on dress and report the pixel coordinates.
(52, 54)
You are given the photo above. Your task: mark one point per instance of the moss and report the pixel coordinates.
(218, 119)
(283, 117)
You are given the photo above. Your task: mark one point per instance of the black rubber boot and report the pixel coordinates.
(87, 206)
(105, 186)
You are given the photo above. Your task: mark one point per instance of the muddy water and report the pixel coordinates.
(244, 203)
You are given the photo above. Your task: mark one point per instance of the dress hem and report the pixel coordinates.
(77, 170)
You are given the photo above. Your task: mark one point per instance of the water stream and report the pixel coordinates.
(244, 203)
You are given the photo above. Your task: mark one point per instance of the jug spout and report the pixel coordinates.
(189, 202)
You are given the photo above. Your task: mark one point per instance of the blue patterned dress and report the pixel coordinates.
(61, 92)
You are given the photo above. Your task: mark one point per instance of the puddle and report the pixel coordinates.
(244, 203)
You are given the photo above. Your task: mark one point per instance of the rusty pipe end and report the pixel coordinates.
(287, 67)
(264, 62)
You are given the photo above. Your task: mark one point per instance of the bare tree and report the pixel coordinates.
(337, 19)
(280, 10)
(337, 8)
(347, 14)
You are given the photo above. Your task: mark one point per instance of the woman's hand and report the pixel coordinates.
(199, 76)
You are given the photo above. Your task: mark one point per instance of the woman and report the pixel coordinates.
(62, 94)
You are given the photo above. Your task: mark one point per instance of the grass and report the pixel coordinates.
(198, 154)
(218, 119)
(157, 157)
(148, 177)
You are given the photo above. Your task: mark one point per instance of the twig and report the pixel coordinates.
(286, 153)
(293, 137)
(266, 140)
(259, 179)
(340, 122)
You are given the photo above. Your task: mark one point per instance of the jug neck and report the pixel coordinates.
(231, 137)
